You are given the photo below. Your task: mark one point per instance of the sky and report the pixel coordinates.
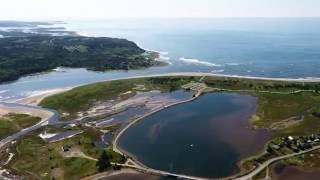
(103, 9)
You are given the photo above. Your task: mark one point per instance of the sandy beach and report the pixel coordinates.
(36, 98)
(43, 114)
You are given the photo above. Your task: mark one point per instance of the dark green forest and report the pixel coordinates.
(26, 55)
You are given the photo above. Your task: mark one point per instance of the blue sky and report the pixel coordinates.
(101, 9)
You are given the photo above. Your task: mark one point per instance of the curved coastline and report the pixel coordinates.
(183, 74)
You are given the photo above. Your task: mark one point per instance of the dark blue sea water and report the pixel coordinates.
(268, 47)
(253, 47)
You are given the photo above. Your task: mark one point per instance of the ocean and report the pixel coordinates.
(263, 47)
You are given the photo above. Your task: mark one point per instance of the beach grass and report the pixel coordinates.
(37, 159)
(11, 123)
(83, 97)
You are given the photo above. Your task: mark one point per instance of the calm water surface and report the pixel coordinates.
(206, 137)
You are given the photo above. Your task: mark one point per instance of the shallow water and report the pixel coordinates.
(206, 137)
(138, 111)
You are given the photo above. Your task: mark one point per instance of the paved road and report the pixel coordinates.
(270, 161)
(162, 173)
(52, 119)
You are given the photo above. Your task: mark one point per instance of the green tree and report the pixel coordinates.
(103, 162)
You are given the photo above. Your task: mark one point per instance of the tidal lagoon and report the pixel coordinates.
(206, 137)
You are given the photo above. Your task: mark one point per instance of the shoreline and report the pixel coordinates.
(36, 98)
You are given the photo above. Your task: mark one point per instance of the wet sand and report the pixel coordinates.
(35, 99)
(43, 114)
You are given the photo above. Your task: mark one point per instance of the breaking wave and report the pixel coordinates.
(232, 64)
(217, 71)
(196, 61)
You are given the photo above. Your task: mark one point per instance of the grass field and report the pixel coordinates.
(272, 107)
(82, 98)
(12, 123)
(276, 107)
(37, 159)
(308, 162)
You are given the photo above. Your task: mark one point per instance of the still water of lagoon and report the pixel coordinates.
(206, 137)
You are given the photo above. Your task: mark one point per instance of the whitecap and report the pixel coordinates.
(196, 61)
(218, 71)
(59, 69)
(3, 91)
(152, 50)
(233, 64)
(163, 52)
(163, 58)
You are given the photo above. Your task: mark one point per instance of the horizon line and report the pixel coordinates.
(157, 17)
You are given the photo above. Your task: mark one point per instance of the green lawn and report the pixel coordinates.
(12, 123)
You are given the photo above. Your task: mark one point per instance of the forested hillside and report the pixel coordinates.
(25, 55)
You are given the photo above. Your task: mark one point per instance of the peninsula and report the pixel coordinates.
(33, 54)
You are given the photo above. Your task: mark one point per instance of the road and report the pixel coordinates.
(270, 161)
(162, 173)
(52, 118)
